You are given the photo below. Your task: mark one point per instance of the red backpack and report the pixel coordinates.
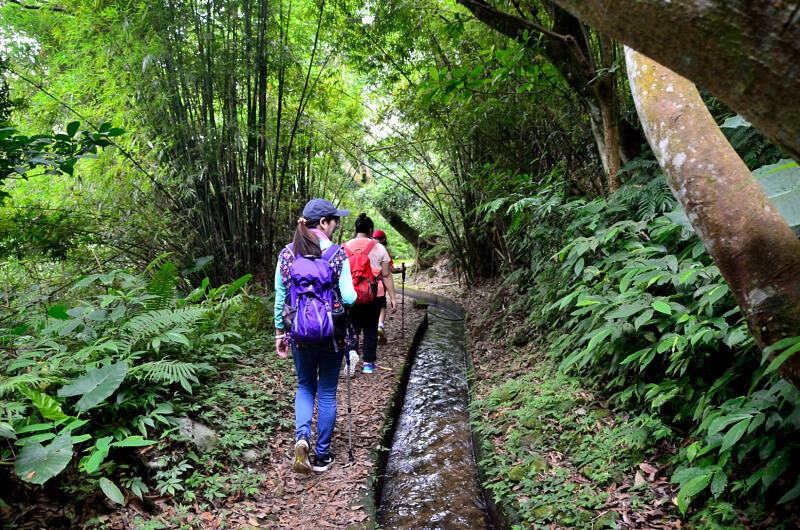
(364, 281)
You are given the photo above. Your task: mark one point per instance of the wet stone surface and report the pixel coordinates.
(431, 477)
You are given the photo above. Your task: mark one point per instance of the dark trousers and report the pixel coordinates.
(365, 317)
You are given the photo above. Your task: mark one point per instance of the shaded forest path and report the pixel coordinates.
(336, 499)
(333, 499)
(639, 498)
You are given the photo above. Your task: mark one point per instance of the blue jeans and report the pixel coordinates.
(317, 369)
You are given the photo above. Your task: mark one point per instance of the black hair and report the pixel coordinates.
(364, 224)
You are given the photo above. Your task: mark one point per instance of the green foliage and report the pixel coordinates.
(649, 315)
(109, 347)
(532, 417)
(43, 233)
(53, 154)
(752, 146)
(95, 385)
(632, 303)
(168, 371)
(38, 464)
(760, 425)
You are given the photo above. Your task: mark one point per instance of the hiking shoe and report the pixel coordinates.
(353, 362)
(322, 464)
(381, 335)
(368, 368)
(301, 462)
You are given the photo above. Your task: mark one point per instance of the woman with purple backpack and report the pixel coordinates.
(313, 275)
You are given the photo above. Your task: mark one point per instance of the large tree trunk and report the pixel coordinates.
(745, 52)
(408, 232)
(755, 250)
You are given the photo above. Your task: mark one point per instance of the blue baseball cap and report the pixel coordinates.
(316, 209)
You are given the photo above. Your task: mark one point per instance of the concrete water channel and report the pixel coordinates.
(431, 478)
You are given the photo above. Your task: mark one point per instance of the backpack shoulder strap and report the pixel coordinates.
(370, 246)
(330, 251)
(348, 251)
(290, 248)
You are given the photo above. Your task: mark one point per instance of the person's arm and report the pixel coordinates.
(346, 288)
(281, 347)
(392, 267)
(388, 283)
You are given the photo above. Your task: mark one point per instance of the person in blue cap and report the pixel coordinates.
(317, 366)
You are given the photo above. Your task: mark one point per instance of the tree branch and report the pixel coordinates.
(509, 25)
(47, 7)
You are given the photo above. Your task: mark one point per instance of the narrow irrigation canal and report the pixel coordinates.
(431, 478)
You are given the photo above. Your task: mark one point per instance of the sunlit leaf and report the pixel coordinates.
(692, 488)
(662, 307)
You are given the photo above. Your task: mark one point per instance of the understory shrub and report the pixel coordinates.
(113, 366)
(632, 302)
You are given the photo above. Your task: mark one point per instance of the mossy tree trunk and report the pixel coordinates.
(746, 53)
(753, 246)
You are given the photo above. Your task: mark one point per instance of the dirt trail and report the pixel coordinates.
(331, 499)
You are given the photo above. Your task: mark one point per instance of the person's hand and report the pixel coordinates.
(281, 347)
(394, 305)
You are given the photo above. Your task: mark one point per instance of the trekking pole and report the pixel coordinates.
(403, 301)
(349, 419)
(347, 369)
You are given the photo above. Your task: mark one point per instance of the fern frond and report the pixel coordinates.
(152, 323)
(157, 261)
(489, 208)
(221, 336)
(13, 408)
(51, 327)
(161, 287)
(168, 371)
(233, 302)
(639, 163)
(12, 384)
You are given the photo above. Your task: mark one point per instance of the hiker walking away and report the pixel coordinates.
(370, 293)
(380, 237)
(312, 280)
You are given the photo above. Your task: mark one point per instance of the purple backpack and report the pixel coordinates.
(308, 311)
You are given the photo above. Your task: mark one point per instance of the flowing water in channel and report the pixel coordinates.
(431, 478)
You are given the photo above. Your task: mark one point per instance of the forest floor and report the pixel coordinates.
(335, 499)
(286, 499)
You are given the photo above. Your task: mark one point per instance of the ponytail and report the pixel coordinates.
(305, 243)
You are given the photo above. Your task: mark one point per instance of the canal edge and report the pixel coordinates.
(379, 453)
(501, 513)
